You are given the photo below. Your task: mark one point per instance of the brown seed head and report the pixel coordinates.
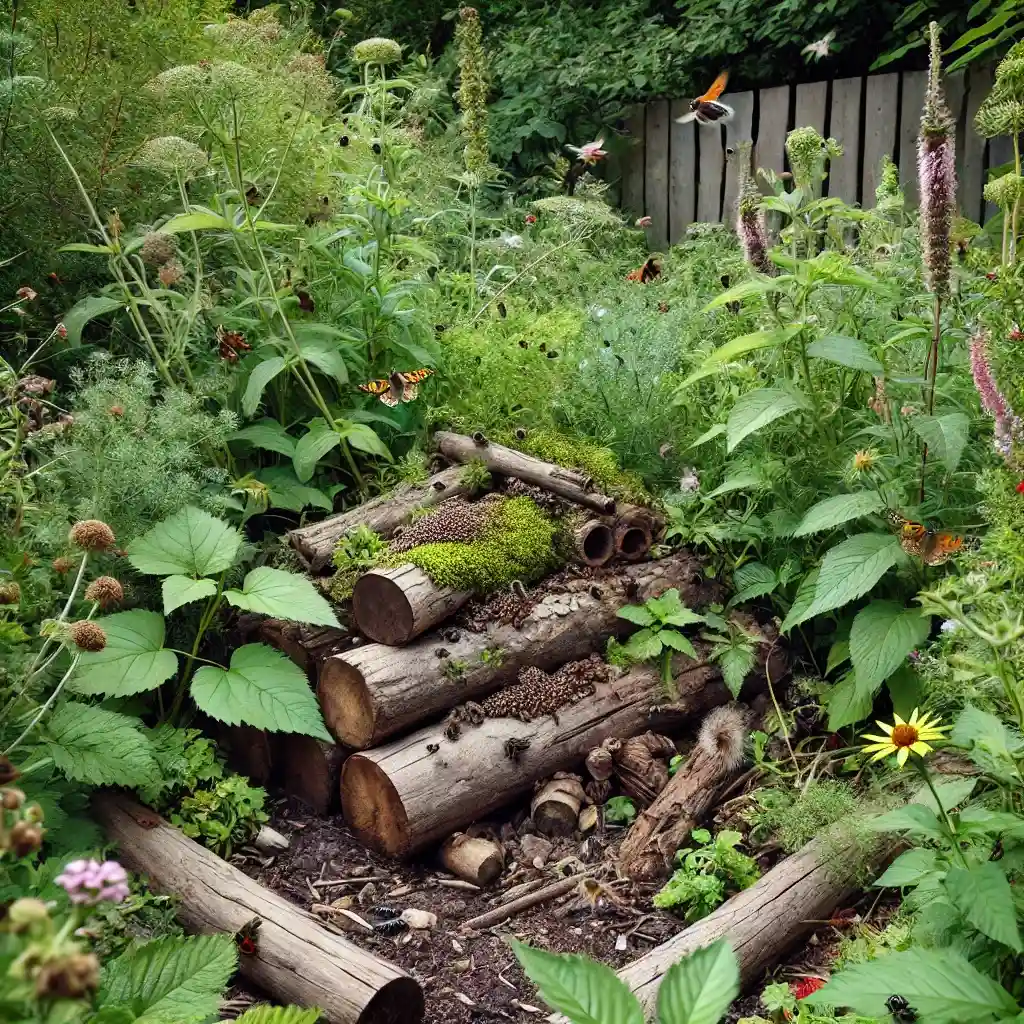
(158, 247)
(11, 799)
(87, 636)
(10, 593)
(25, 838)
(70, 977)
(62, 564)
(8, 773)
(93, 535)
(116, 410)
(105, 591)
(170, 273)
(26, 912)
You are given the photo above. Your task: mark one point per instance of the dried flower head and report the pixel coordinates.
(158, 247)
(11, 799)
(24, 292)
(750, 222)
(171, 154)
(25, 838)
(170, 273)
(62, 564)
(377, 50)
(864, 460)
(104, 591)
(88, 882)
(70, 977)
(473, 86)
(92, 535)
(23, 914)
(10, 593)
(87, 636)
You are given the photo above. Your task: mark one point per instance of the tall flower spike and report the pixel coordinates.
(473, 89)
(1008, 432)
(750, 224)
(936, 166)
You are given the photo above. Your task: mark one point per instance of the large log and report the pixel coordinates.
(401, 797)
(310, 770)
(566, 483)
(394, 606)
(372, 692)
(383, 515)
(297, 959)
(307, 646)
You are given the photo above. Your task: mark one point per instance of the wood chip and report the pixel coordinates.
(458, 883)
(402, 890)
(621, 943)
(525, 1007)
(464, 999)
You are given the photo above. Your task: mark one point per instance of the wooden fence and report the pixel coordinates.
(681, 173)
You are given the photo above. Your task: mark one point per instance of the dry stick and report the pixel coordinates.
(501, 914)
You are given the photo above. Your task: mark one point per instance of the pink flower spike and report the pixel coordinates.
(88, 882)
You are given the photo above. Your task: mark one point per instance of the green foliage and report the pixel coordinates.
(660, 619)
(356, 552)
(223, 817)
(619, 810)
(475, 477)
(795, 818)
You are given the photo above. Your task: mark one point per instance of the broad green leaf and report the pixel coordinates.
(86, 247)
(189, 543)
(742, 481)
(1002, 16)
(670, 609)
(586, 991)
(173, 980)
(735, 661)
(98, 747)
(838, 654)
(951, 794)
(195, 222)
(182, 590)
(268, 225)
(325, 356)
(850, 352)
(267, 434)
(905, 690)
(365, 439)
(88, 309)
(313, 446)
(678, 642)
(285, 491)
(285, 595)
(946, 436)
(700, 988)
(802, 602)
(851, 569)
(839, 509)
(909, 868)
(882, 635)
(755, 579)
(645, 645)
(989, 742)
(279, 1015)
(262, 374)
(848, 701)
(941, 986)
(261, 688)
(914, 819)
(709, 435)
(744, 290)
(756, 409)
(636, 613)
(132, 661)
(983, 895)
(750, 343)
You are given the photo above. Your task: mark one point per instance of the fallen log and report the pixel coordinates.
(472, 859)
(394, 606)
(372, 692)
(566, 483)
(310, 770)
(297, 960)
(383, 515)
(307, 646)
(401, 797)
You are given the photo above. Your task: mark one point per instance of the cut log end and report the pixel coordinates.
(632, 541)
(373, 808)
(393, 606)
(474, 860)
(595, 543)
(398, 1002)
(309, 770)
(348, 708)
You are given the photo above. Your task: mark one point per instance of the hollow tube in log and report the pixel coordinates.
(594, 543)
(297, 960)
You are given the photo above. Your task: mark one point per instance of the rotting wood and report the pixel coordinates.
(372, 692)
(499, 915)
(594, 543)
(297, 961)
(383, 515)
(475, 860)
(569, 484)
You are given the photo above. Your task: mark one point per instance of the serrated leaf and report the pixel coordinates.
(285, 595)
(757, 409)
(99, 747)
(173, 980)
(983, 895)
(585, 991)
(882, 635)
(678, 642)
(195, 222)
(189, 543)
(644, 645)
(669, 608)
(848, 702)
(285, 491)
(261, 688)
(951, 794)
(637, 614)
(267, 434)
(313, 446)
(909, 868)
(839, 509)
(753, 580)
(914, 819)
(941, 986)
(946, 436)
(182, 590)
(700, 988)
(87, 309)
(850, 352)
(279, 1015)
(802, 602)
(851, 569)
(365, 439)
(262, 374)
(132, 661)
(735, 661)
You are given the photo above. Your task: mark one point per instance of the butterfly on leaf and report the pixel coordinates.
(932, 547)
(648, 272)
(248, 936)
(396, 388)
(706, 109)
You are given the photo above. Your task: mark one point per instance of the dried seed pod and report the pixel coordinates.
(600, 764)
(92, 535)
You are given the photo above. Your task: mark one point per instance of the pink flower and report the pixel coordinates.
(992, 399)
(88, 882)
(590, 152)
(643, 222)
(26, 293)
(61, 331)
(531, 218)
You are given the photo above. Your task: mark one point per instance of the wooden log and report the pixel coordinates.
(250, 752)
(472, 859)
(310, 770)
(566, 483)
(594, 543)
(297, 961)
(372, 692)
(632, 540)
(307, 646)
(406, 795)
(394, 606)
(383, 515)
(556, 807)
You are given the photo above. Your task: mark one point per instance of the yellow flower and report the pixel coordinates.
(864, 460)
(903, 737)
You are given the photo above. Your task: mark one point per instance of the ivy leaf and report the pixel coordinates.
(262, 688)
(189, 543)
(909, 868)
(267, 434)
(700, 988)
(851, 352)
(285, 595)
(182, 590)
(313, 446)
(848, 702)
(262, 374)
(585, 991)
(98, 747)
(87, 309)
(851, 569)
(946, 436)
(835, 511)
(756, 409)
(983, 895)
(132, 661)
(882, 635)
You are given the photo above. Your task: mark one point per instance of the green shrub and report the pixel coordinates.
(794, 818)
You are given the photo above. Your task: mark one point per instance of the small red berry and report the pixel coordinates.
(1020, 487)
(805, 986)
(531, 218)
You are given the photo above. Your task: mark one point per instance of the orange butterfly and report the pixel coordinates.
(931, 547)
(706, 109)
(648, 272)
(398, 387)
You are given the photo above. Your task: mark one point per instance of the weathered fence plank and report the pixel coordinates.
(972, 145)
(682, 207)
(739, 129)
(633, 164)
(880, 115)
(773, 122)
(656, 173)
(810, 106)
(914, 85)
(844, 127)
(712, 163)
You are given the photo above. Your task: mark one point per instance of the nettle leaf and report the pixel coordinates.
(644, 645)
(267, 434)
(132, 661)
(99, 747)
(182, 590)
(755, 579)
(669, 608)
(285, 595)
(262, 374)
(735, 661)
(279, 1015)
(262, 688)
(700, 988)
(946, 436)
(189, 543)
(983, 895)
(851, 352)
(802, 602)
(851, 569)
(637, 614)
(173, 980)
(941, 985)
(585, 991)
(909, 868)
(313, 446)
(882, 635)
(756, 409)
(678, 642)
(837, 510)
(848, 702)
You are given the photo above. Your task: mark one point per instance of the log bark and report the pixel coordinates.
(307, 646)
(394, 606)
(310, 770)
(632, 539)
(594, 542)
(404, 796)
(372, 692)
(566, 483)
(383, 515)
(556, 807)
(297, 960)
(475, 860)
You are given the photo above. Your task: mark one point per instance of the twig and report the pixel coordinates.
(533, 899)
